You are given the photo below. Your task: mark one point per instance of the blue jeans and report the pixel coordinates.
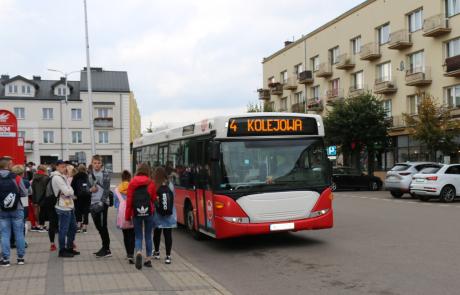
(15, 220)
(67, 228)
(143, 223)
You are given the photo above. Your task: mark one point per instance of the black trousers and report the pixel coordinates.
(128, 239)
(42, 215)
(53, 222)
(167, 233)
(100, 221)
(82, 217)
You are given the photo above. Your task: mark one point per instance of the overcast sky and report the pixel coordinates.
(186, 59)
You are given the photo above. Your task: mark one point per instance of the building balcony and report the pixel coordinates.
(435, 26)
(345, 62)
(355, 90)
(396, 122)
(291, 84)
(298, 107)
(370, 51)
(324, 70)
(384, 86)
(400, 40)
(28, 146)
(103, 122)
(453, 66)
(334, 95)
(315, 105)
(276, 88)
(305, 77)
(264, 94)
(418, 76)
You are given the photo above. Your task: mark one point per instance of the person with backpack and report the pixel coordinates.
(139, 207)
(20, 171)
(39, 183)
(80, 185)
(12, 189)
(99, 180)
(165, 216)
(65, 211)
(126, 227)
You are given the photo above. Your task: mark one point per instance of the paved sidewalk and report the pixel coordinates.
(45, 273)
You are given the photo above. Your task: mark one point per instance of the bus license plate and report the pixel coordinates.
(281, 226)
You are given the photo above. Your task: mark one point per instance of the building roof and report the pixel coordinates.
(5, 80)
(321, 28)
(105, 81)
(44, 90)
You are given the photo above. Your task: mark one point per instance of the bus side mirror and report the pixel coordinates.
(214, 150)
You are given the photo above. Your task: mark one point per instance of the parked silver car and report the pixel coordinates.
(399, 178)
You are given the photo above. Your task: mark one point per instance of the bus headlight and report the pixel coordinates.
(237, 219)
(318, 213)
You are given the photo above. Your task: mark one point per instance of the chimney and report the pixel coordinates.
(36, 78)
(62, 79)
(287, 43)
(5, 77)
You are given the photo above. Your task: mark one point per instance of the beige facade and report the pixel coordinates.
(405, 48)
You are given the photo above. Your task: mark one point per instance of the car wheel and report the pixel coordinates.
(424, 198)
(396, 194)
(447, 194)
(414, 196)
(333, 186)
(374, 186)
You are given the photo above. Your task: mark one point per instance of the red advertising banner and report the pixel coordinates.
(9, 144)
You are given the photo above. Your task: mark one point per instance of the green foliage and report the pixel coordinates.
(434, 126)
(255, 107)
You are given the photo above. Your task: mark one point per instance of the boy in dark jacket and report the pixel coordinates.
(80, 185)
(39, 183)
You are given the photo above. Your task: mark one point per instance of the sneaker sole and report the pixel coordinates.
(139, 261)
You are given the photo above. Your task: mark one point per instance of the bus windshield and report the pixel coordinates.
(264, 165)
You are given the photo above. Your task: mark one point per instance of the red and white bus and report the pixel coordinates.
(245, 175)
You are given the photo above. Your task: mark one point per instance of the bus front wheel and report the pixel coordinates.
(190, 221)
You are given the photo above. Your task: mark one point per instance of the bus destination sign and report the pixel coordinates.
(272, 126)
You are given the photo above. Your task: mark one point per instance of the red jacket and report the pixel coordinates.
(136, 182)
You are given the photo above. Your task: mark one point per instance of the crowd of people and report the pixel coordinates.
(64, 196)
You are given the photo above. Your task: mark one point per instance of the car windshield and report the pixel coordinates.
(400, 167)
(430, 170)
(274, 164)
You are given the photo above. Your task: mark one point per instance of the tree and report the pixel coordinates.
(254, 107)
(355, 124)
(433, 125)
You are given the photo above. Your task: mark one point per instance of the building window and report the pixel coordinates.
(23, 89)
(76, 114)
(48, 136)
(284, 77)
(103, 112)
(417, 62)
(357, 80)
(299, 97)
(315, 92)
(315, 63)
(283, 104)
(415, 20)
(20, 113)
(453, 96)
(356, 45)
(452, 7)
(103, 137)
(298, 69)
(453, 47)
(77, 137)
(414, 101)
(47, 113)
(10, 88)
(22, 134)
(334, 55)
(28, 89)
(384, 72)
(334, 90)
(387, 108)
(384, 34)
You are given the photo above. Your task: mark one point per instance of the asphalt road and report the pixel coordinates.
(378, 246)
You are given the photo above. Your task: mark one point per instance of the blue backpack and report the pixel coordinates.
(9, 192)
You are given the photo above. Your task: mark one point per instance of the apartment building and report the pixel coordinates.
(55, 129)
(396, 49)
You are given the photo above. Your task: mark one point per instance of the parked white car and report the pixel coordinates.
(442, 183)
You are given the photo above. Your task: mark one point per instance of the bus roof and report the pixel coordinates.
(220, 126)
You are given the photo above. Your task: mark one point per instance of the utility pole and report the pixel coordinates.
(88, 76)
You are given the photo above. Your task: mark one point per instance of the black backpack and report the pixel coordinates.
(165, 203)
(9, 192)
(141, 202)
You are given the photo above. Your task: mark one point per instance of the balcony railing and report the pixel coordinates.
(315, 105)
(305, 77)
(276, 88)
(298, 107)
(436, 25)
(453, 66)
(324, 70)
(396, 122)
(345, 62)
(28, 146)
(264, 94)
(400, 40)
(418, 76)
(103, 122)
(334, 95)
(370, 51)
(385, 86)
(357, 90)
(291, 84)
